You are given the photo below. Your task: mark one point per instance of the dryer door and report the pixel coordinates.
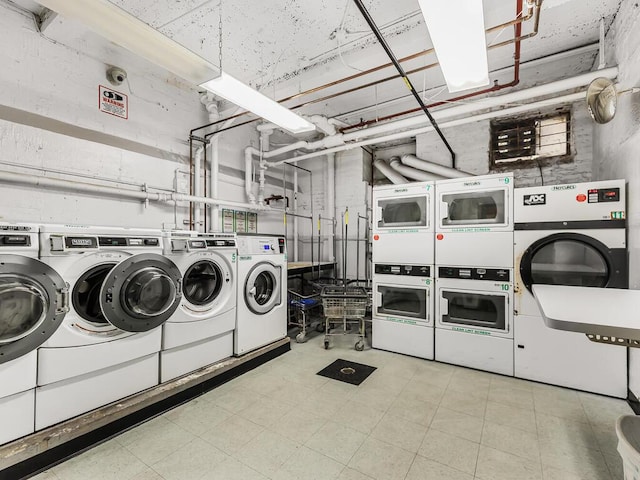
(574, 259)
(262, 288)
(141, 292)
(33, 301)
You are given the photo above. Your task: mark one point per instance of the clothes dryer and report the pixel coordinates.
(403, 223)
(200, 332)
(474, 318)
(573, 234)
(474, 221)
(33, 302)
(122, 289)
(262, 292)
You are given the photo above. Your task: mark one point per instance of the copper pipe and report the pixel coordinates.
(516, 73)
(518, 20)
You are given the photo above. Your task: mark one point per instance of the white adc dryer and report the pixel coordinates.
(33, 302)
(474, 221)
(403, 223)
(122, 290)
(200, 332)
(262, 292)
(569, 235)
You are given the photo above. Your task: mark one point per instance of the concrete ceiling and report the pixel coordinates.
(283, 47)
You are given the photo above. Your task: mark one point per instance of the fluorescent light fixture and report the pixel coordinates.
(235, 91)
(456, 28)
(120, 27)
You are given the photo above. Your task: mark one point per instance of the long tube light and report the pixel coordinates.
(120, 27)
(457, 32)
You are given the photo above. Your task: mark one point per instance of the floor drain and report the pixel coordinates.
(348, 370)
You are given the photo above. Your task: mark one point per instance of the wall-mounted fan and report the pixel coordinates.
(602, 99)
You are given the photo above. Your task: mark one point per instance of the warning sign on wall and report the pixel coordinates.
(112, 102)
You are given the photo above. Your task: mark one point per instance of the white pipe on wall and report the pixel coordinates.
(434, 168)
(388, 172)
(296, 246)
(412, 173)
(197, 190)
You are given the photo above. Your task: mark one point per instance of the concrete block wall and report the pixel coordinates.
(617, 143)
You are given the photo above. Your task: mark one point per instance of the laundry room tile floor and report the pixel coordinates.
(411, 419)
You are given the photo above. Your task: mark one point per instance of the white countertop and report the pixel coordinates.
(599, 311)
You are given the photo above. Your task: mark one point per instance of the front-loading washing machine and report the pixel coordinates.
(262, 292)
(474, 221)
(474, 318)
(403, 224)
(33, 302)
(122, 290)
(200, 332)
(573, 234)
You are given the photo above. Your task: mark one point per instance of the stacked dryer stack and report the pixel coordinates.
(569, 235)
(33, 303)
(474, 272)
(200, 332)
(122, 289)
(403, 257)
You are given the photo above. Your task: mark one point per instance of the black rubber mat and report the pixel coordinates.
(348, 372)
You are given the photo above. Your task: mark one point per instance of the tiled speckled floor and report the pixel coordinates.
(411, 419)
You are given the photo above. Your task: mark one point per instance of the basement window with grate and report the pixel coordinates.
(518, 142)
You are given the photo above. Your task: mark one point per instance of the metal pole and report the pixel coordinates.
(311, 217)
(344, 241)
(358, 248)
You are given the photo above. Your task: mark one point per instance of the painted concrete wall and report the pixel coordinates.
(616, 144)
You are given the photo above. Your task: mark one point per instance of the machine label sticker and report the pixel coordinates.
(471, 330)
(617, 215)
(406, 230)
(471, 230)
(112, 102)
(233, 258)
(400, 190)
(535, 199)
(402, 320)
(471, 184)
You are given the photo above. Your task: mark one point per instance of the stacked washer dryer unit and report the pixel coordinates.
(474, 272)
(262, 292)
(403, 257)
(33, 302)
(569, 235)
(122, 289)
(200, 332)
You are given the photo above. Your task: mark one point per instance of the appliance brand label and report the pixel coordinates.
(535, 199)
(81, 242)
(471, 184)
(400, 190)
(564, 187)
(244, 257)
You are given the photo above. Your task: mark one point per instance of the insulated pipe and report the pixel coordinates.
(412, 173)
(392, 175)
(264, 147)
(248, 168)
(295, 219)
(197, 191)
(439, 170)
(331, 194)
(89, 188)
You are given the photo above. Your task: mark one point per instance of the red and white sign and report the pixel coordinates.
(113, 103)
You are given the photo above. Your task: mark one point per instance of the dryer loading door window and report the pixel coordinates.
(407, 212)
(262, 288)
(474, 309)
(33, 302)
(470, 209)
(141, 292)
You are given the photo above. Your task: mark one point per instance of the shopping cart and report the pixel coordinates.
(301, 312)
(347, 305)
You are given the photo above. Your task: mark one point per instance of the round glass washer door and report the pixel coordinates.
(141, 292)
(33, 303)
(262, 288)
(202, 283)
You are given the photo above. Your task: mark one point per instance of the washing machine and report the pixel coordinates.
(402, 316)
(573, 234)
(122, 289)
(200, 332)
(474, 318)
(474, 221)
(403, 223)
(33, 302)
(262, 292)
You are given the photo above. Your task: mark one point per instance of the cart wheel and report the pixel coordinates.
(359, 346)
(320, 327)
(301, 338)
(326, 344)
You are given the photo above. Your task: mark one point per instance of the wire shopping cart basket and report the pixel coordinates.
(346, 305)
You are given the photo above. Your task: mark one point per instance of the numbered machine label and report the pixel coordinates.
(112, 102)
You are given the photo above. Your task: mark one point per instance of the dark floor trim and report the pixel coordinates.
(633, 402)
(67, 450)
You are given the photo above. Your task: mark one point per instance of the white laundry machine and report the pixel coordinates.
(33, 302)
(262, 292)
(402, 317)
(572, 234)
(200, 332)
(403, 223)
(474, 318)
(122, 289)
(474, 221)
